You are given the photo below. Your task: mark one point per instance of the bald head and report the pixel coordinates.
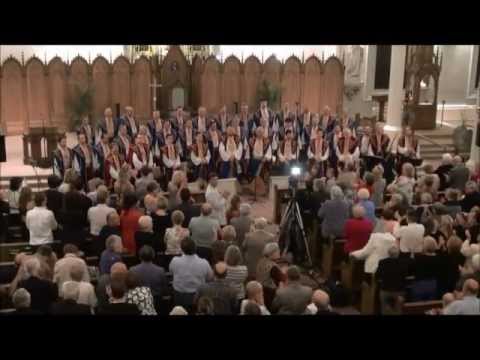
(220, 270)
(118, 268)
(447, 299)
(470, 287)
(260, 223)
(206, 209)
(321, 299)
(145, 223)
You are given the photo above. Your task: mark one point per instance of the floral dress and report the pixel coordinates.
(143, 298)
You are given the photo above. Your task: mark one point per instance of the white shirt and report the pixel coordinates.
(218, 203)
(411, 237)
(97, 217)
(40, 221)
(86, 294)
(375, 250)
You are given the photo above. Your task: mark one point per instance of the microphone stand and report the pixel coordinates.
(33, 163)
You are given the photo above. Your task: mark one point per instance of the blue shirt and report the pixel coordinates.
(369, 207)
(107, 259)
(189, 273)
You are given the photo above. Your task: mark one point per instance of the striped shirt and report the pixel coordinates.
(236, 276)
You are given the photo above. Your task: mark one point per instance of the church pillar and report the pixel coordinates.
(474, 148)
(396, 93)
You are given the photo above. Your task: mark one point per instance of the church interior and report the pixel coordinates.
(339, 179)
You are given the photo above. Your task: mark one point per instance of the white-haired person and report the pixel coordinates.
(379, 185)
(363, 196)
(469, 304)
(219, 246)
(243, 223)
(237, 272)
(254, 294)
(471, 198)
(357, 230)
(21, 301)
(443, 170)
(469, 250)
(406, 181)
(175, 234)
(320, 304)
(459, 175)
(68, 304)
(334, 213)
(427, 269)
(254, 244)
(145, 235)
(112, 253)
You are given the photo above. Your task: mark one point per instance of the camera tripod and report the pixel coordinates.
(292, 229)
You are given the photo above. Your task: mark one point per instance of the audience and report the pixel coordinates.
(376, 250)
(54, 196)
(112, 253)
(219, 246)
(118, 305)
(294, 298)
(234, 208)
(469, 304)
(139, 295)
(111, 228)
(237, 273)
(86, 292)
(129, 221)
(321, 304)
(254, 244)
(21, 301)
(175, 234)
(363, 196)
(97, 215)
(357, 230)
(118, 270)
(205, 306)
(459, 174)
(68, 304)
(242, 223)
(63, 267)
(410, 236)
(334, 214)
(161, 222)
(471, 198)
(40, 222)
(144, 235)
(254, 292)
(205, 230)
(187, 207)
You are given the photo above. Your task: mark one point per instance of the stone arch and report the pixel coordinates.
(141, 90)
(211, 85)
(291, 81)
(101, 81)
(57, 83)
(231, 80)
(251, 76)
(37, 93)
(14, 115)
(121, 82)
(312, 86)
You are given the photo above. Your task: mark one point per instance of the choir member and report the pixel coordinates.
(108, 125)
(315, 125)
(113, 163)
(87, 129)
(259, 154)
(140, 155)
(318, 152)
(366, 163)
(170, 156)
(288, 152)
(102, 150)
(200, 157)
(62, 157)
(327, 121)
(179, 120)
(304, 134)
(283, 115)
(123, 140)
(155, 126)
(379, 142)
(408, 149)
(223, 121)
(333, 139)
(214, 138)
(288, 124)
(231, 150)
(264, 113)
(239, 131)
(129, 120)
(246, 121)
(200, 123)
(187, 138)
(145, 133)
(347, 148)
(85, 161)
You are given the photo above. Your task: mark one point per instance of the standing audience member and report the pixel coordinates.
(112, 253)
(40, 222)
(97, 215)
(242, 224)
(443, 171)
(118, 270)
(469, 304)
(219, 246)
(471, 198)
(139, 295)
(269, 273)
(357, 230)
(217, 200)
(294, 298)
(63, 267)
(234, 208)
(237, 273)
(205, 230)
(187, 207)
(189, 273)
(161, 221)
(363, 196)
(254, 245)
(175, 234)
(145, 235)
(205, 306)
(321, 304)
(410, 236)
(69, 305)
(459, 174)
(223, 295)
(54, 197)
(117, 292)
(254, 292)
(376, 250)
(334, 213)
(129, 221)
(21, 301)
(86, 295)
(379, 185)
(111, 228)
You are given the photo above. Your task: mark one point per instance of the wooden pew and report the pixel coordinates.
(368, 303)
(420, 307)
(332, 255)
(352, 272)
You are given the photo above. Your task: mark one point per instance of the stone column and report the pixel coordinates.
(474, 149)
(396, 93)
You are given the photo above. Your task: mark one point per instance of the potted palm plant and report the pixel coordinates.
(269, 92)
(80, 105)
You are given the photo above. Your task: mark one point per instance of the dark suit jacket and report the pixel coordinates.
(292, 299)
(69, 307)
(118, 309)
(54, 201)
(25, 311)
(391, 274)
(224, 297)
(459, 176)
(189, 211)
(43, 293)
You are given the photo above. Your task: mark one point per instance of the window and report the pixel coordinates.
(382, 67)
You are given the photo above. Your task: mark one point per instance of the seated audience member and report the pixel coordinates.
(427, 271)
(118, 270)
(205, 306)
(254, 291)
(63, 266)
(139, 295)
(68, 305)
(117, 293)
(54, 197)
(242, 224)
(219, 246)
(21, 301)
(254, 244)
(40, 222)
(129, 221)
(175, 234)
(252, 309)
(204, 230)
(97, 215)
(111, 228)
(43, 292)
(321, 304)
(334, 213)
(233, 209)
(452, 203)
(469, 304)
(150, 275)
(112, 253)
(410, 236)
(471, 198)
(294, 298)
(237, 273)
(391, 275)
(144, 235)
(189, 273)
(161, 221)
(86, 292)
(357, 230)
(363, 196)
(459, 174)
(187, 207)
(223, 295)
(375, 250)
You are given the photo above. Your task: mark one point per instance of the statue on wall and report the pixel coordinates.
(353, 62)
